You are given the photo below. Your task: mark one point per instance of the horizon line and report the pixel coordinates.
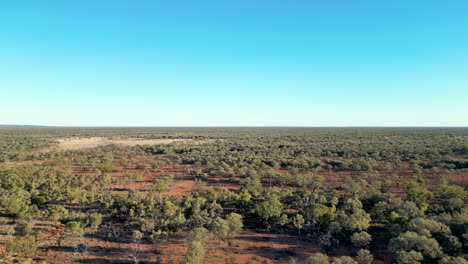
(225, 126)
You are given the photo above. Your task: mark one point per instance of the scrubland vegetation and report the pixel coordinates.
(235, 195)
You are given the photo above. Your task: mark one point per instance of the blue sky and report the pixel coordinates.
(234, 63)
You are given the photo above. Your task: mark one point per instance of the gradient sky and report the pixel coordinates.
(234, 63)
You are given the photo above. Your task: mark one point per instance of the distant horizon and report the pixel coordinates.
(276, 126)
(239, 63)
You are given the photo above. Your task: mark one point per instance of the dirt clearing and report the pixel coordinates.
(92, 142)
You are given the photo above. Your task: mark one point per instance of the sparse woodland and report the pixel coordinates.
(236, 195)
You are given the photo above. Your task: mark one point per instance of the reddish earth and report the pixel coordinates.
(460, 177)
(248, 247)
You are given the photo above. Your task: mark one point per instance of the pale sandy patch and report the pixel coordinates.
(92, 142)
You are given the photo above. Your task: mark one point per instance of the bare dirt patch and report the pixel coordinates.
(92, 142)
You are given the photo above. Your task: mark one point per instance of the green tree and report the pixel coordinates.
(318, 215)
(235, 224)
(253, 185)
(195, 253)
(364, 256)
(411, 241)
(441, 232)
(454, 198)
(24, 247)
(270, 209)
(137, 237)
(418, 194)
(220, 228)
(74, 228)
(352, 217)
(200, 234)
(162, 184)
(408, 257)
(343, 260)
(298, 222)
(406, 211)
(352, 188)
(357, 221)
(15, 200)
(453, 260)
(95, 219)
(317, 258)
(57, 212)
(361, 239)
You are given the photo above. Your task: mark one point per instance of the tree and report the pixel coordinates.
(15, 201)
(352, 188)
(453, 197)
(343, 260)
(24, 247)
(428, 227)
(253, 185)
(408, 257)
(329, 239)
(283, 220)
(316, 183)
(162, 184)
(352, 217)
(95, 219)
(317, 258)
(318, 215)
(137, 237)
(220, 228)
(57, 212)
(235, 223)
(453, 260)
(225, 229)
(357, 221)
(270, 209)
(411, 241)
(361, 239)
(417, 194)
(74, 229)
(406, 212)
(364, 256)
(197, 234)
(432, 228)
(195, 253)
(298, 221)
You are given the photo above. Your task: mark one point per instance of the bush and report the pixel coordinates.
(74, 228)
(95, 219)
(57, 212)
(23, 246)
(39, 199)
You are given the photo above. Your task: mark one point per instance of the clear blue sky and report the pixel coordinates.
(239, 63)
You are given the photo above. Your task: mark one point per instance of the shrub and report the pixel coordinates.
(23, 246)
(57, 212)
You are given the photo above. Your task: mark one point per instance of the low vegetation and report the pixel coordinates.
(241, 195)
